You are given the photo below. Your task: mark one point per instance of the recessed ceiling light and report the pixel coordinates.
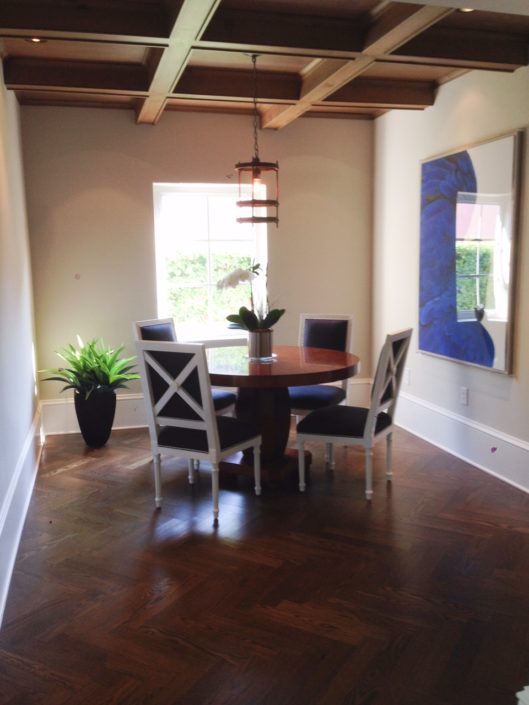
(35, 40)
(466, 9)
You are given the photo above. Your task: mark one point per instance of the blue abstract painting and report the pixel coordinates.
(440, 331)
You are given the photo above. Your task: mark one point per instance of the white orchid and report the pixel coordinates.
(249, 319)
(238, 276)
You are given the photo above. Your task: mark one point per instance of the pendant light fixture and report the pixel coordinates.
(258, 181)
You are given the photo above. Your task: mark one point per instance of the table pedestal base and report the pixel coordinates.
(274, 472)
(267, 409)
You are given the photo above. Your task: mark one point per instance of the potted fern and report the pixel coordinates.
(94, 372)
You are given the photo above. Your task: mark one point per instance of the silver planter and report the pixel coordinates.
(260, 344)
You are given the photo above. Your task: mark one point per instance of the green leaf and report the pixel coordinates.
(237, 320)
(272, 317)
(249, 319)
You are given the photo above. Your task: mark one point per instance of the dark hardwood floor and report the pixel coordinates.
(421, 598)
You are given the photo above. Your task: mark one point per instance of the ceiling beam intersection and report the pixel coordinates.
(383, 37)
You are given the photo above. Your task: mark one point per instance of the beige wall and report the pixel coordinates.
(17, 399)
(475, 107)
(89, 177)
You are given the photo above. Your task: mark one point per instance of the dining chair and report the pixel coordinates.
(352, 425)
(181, 416)
(329, 331)
(163, 329)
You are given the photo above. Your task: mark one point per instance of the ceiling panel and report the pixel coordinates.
(66, 50)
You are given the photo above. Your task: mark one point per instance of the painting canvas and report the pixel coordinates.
(467, 253)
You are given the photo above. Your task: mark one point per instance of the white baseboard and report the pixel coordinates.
(497, 453)
(58, 415)
(359, 391)
(14, 505)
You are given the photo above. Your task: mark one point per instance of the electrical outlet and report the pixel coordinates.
(463, 396)
(407, 375)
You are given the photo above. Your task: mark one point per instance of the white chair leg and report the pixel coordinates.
(389, 444)
(301, 465)
(369, 473)
(157, 480)
(329, 456)
(215, 489)
(191, 471)
(257, 469)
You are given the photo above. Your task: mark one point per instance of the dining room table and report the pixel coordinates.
(262, 394)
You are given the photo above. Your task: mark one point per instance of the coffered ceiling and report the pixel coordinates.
(340, 58)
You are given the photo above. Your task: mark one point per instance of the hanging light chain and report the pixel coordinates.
(255, 113)
(261, 176)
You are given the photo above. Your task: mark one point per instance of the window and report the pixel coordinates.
(198, 241)
(482, 256)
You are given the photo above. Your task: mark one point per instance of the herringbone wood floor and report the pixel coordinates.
(421, 598)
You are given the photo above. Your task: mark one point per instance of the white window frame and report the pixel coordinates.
(218, 335)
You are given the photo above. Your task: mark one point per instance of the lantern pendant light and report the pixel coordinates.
(258, 180)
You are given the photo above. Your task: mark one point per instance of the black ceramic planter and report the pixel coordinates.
(96, 416)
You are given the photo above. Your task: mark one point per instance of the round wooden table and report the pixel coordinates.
(263, 398)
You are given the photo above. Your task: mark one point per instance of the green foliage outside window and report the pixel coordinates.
(468, 269)
(192, 287)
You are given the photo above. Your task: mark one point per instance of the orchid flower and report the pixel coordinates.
(238, 276)
(247, 318)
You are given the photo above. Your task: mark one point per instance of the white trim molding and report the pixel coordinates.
(359, 391)
(15, 503)
(58, 415)
(497, 453)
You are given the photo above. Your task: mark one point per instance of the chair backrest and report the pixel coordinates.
(177, 392)
(160, 329)
(388, 378)
(329, 331)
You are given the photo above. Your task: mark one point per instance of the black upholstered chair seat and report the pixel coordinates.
(315, 396)
(223, 399)
(356, 425)
(349, 421)
(231, 432)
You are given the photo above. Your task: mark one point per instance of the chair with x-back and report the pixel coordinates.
(351, 425)
(181, 416)
(163, 330)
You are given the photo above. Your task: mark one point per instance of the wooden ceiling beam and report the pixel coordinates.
(232, 84)
(118, 22)
(342, 51)
(188, 28)
(398, 24)
(97, 76)
(382, 37)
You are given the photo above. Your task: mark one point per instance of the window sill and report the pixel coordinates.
(216, 338)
